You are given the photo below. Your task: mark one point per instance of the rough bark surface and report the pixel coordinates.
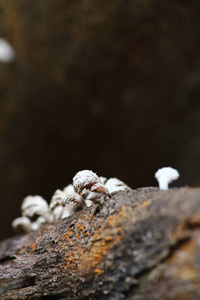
(142, 244)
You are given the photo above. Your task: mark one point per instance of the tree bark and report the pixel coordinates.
(141, 244)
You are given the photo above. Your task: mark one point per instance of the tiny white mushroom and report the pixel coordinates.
(73, 201)
(65, 203)
(85, 179)
(21, 224)
(57, 212)
(95, 197)
(72, 197)
(57, 199)
(166, 175)
(115, 185)
(7, 53)
(57, 203)
(36, 206)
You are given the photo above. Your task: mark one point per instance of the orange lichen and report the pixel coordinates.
(80, 227)
(32, 246)
(108, 238)
(98, 250)
(85, 217)
(105, 239)
(67, 234)
(145, 203)
(106, 235)
(112, 219)
(122, 212)
(98, 271)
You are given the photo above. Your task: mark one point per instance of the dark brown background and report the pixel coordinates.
(111, 86)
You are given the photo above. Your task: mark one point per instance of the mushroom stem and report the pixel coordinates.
(163, 185)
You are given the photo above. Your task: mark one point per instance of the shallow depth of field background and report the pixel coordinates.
(111, 86)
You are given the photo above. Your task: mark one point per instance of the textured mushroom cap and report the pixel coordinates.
(34, 205)
(57, 199)
(167, 173)
(114, 185)
(85, 179)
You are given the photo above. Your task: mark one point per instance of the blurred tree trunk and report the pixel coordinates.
(142, 244)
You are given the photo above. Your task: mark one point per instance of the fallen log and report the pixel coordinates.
(141, 244)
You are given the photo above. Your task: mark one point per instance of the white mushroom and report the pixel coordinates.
(7, 53)
(65, 203)
(57, 199)
(85, 179)
(72, 197)
(36, 206)
(115, 185)
(166, 175)
(95, 197)
(58, 204)
(21, 224)
(57, 212)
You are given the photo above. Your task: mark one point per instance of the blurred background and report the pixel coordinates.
(111, 86)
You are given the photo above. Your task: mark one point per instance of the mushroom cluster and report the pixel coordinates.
(35, 212)
(87, 188)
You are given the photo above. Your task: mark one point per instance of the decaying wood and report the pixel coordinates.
(142, 244)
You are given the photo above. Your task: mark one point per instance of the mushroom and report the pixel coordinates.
(166, 175)
(57, 199)
(21, 224)
(85, 179)
(115, 185)
(35, 212)
(7, 53)
(58, 204)
(36, 206)
(64, 203)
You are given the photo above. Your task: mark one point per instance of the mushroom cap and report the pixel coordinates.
(167, 173)
(85, 179)
(57, 199)
(21, 223)
(114, 185)
(34, 205)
